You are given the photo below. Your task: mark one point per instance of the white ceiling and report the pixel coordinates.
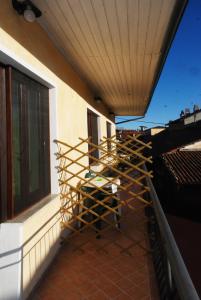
(117, 46)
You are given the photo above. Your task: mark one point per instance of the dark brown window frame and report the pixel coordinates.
(109, 135)
(10, 203)
(3, 146)
(92, 124)
(6, 151)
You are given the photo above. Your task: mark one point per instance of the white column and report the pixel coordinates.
(10, 261)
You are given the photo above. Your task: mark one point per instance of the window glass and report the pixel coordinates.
(33, 139)
(30, 140)
(16, 91)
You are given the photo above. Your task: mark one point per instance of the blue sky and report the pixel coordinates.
(179, 86)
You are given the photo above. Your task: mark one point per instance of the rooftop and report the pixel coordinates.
(173, 138)
(185, 166)
(184, 116)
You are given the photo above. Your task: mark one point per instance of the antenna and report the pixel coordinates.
(196, 108)
(181, 114)
(187, 111)
(142, 127)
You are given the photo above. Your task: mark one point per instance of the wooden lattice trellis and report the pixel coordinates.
(100, 200)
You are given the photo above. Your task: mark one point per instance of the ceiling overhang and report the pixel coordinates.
(117, 46)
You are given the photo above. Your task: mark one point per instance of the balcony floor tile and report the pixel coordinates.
(117, 266)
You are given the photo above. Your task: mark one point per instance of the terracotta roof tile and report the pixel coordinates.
(185, 166)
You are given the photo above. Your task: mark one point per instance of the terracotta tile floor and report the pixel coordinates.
(117, 266)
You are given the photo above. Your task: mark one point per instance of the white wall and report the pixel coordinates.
(27, 246)
(196, 117)
(192, 146)
(11, 240)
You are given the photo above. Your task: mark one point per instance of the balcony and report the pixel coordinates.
(134, 256)
(89, 56)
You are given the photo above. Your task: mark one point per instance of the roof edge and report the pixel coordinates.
(179, 10)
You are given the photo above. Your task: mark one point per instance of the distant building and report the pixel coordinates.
(124, 133)
(194, 146)
(178, 183)
(176, 155)
(175, 137)
(194, 117)
(186, 117)
(154, 130)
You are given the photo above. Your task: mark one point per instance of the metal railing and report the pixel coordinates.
(178, 281)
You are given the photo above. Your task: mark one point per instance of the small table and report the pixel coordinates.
(104, 182)
(91, 185)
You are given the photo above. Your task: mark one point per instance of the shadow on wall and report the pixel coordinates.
(36, 255)
(38, 258)
(33, 38)
(38, 271)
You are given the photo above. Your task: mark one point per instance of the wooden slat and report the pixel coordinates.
(73, 197)
(119, 41)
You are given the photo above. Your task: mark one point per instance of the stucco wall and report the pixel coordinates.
(196, 117)
(27, 245)
(194, 146)
(156, 130)
(27, 47)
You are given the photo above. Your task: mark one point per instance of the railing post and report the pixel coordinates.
(169, 275)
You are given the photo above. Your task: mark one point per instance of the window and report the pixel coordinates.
(27, 130)
(109, 134)
(3, 158)
(92, 120)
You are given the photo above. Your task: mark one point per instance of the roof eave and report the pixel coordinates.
(180, 7)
